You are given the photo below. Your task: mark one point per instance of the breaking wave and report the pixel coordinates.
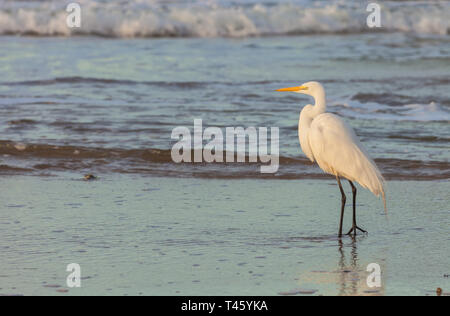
(149, 18)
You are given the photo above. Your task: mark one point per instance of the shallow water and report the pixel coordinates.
(164, 236)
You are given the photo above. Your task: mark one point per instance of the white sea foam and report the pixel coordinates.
(408, 112)
(426, 112)
(150, 18)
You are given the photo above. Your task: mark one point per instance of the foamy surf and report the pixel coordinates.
(148, 18)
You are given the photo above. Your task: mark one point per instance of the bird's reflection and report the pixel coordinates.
(348, 275)
(348, 272)
(352, 276)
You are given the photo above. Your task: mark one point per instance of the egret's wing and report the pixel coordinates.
(338, 151)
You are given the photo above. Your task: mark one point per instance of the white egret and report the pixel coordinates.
(327, 139)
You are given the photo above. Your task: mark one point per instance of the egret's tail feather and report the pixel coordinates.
(372, 178)
(383, 195)
(378, 184)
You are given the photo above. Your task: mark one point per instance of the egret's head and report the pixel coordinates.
(311, 88)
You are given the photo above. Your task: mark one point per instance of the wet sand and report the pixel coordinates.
(35, 159)
(139, 235)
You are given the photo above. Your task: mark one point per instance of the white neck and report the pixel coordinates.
(309, 113)
(307, 116)
(321, 103)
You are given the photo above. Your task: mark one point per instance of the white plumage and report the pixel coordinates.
(328, 140)
(338, 151)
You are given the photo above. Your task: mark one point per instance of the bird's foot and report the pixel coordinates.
(354, 229)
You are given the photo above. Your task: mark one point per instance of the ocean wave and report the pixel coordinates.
(90, 80)
(21, 158)
(395, 107)
(148, 18)
(104, 81)
(361, 105)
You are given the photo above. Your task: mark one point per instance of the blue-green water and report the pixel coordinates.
(109, 95)
(121, 83)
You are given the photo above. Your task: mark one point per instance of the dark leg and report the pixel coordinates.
(354, 226)
(344, 199)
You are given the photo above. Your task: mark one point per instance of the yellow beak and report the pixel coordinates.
(293, 89)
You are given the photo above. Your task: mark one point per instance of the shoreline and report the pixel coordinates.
(34, 159)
